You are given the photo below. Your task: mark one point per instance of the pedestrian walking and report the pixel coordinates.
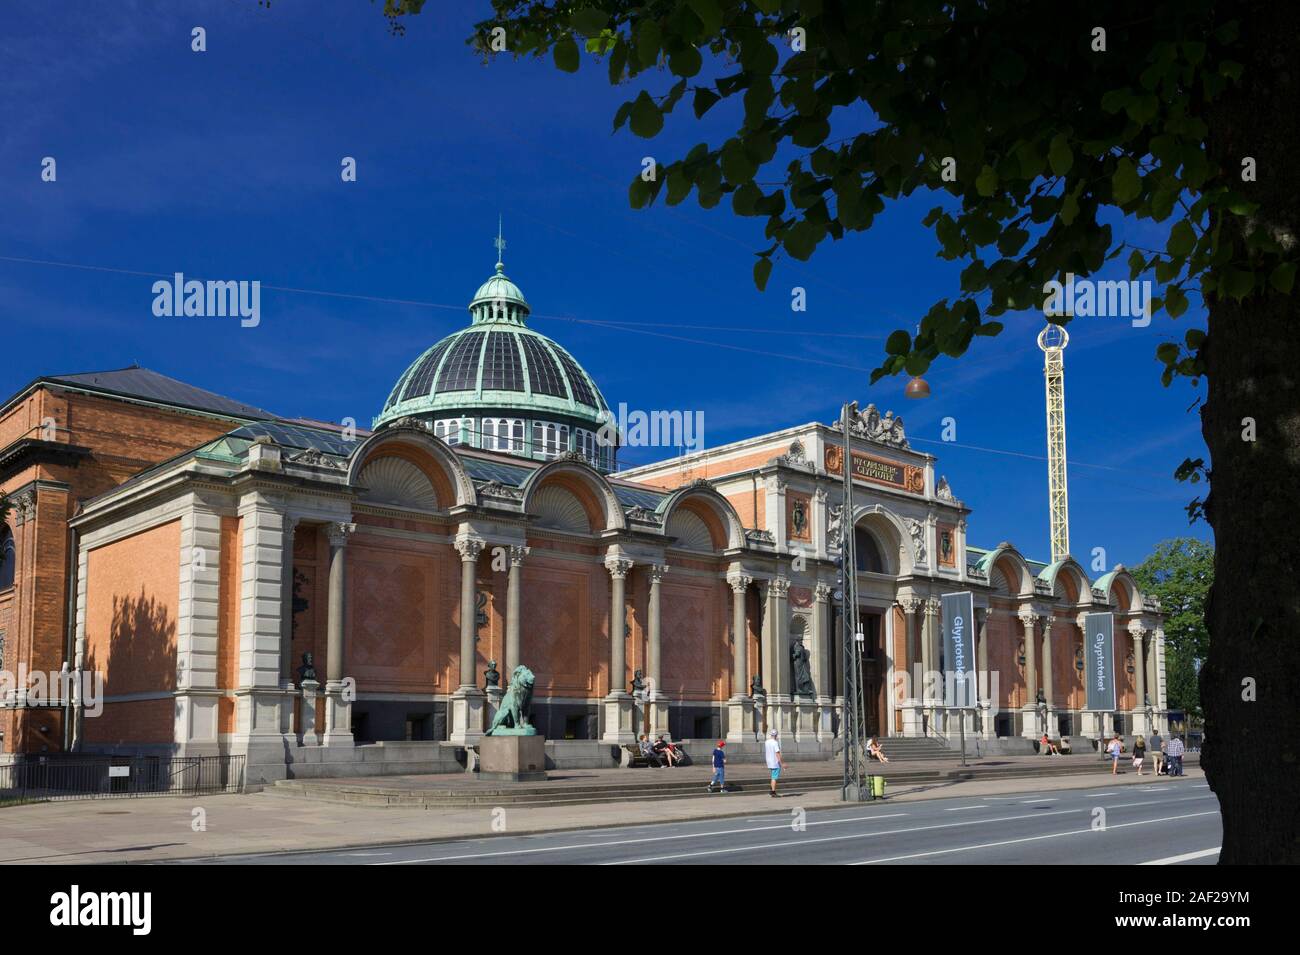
(1139, 753)
(1175, 752)
(772, 754)
(1115, 748)
(719, 768)
(1157, 746)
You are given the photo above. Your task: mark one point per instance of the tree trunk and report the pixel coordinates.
(1250, 683)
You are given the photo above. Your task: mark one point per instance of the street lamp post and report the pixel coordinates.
(856, 787)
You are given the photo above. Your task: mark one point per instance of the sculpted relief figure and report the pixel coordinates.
(803, 682)
(917, 530)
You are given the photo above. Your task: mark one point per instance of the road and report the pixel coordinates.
(1170, 822)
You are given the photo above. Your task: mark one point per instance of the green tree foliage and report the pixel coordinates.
(1180, 573)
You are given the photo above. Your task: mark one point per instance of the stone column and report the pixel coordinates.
(286, 602)
(467, 702)
(780, 698)
(514, 592)
(618, 702)
(1047, 680)
(195, 722)
(932, 691)
(822, 660)
(1090, 721)
(738, 707)
(261, 722)
(658, 700)
(988, 701)
(338, 695)
(913, 723)
(1140, 726)
(1029, 709)
(1161, 698)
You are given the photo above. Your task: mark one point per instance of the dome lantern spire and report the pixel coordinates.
(499, 300)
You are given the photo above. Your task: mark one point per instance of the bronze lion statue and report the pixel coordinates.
(514, 711)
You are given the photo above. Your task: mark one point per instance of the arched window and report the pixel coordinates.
(868, 555)
(8, 558)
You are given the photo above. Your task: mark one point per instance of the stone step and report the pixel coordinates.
(641, 789)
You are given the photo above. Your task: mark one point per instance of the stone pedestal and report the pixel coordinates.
(825, 718)
(805, 719)
(1031, 727)
(514, 759)
(492, 702)
(1141, 726)
(307, 733)
(780, 715)
(467, 705)
(1091, 724)
(739, 718)
(658, 707)
(912, 720)
(338, 716)
(758, 717)
(988, 721)
(618, 719)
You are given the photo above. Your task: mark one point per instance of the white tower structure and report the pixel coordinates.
(1052, 340)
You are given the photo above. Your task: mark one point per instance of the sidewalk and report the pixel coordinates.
(156, 828)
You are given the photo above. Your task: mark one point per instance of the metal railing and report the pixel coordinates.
(76, 776)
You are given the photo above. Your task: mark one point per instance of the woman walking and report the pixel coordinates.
(1139, 752)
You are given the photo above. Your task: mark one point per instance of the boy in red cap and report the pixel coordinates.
(719, 768)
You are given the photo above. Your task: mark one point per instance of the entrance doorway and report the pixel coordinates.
(873, 672)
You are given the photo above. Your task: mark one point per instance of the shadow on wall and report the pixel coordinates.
(141, 647)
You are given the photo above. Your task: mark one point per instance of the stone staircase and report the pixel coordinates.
(903, 749)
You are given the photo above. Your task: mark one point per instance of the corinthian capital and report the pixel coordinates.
(739, 583)
(338, 532)
(618, 567)
(469, 548)
(517, 554)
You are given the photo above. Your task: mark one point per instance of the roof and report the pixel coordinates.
(148, 385)
(497, 366)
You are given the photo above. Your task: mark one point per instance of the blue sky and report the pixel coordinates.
(225, 165)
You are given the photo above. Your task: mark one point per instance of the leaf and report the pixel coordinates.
(916, 364)
(1182, 239)
(1167, 353)
(565, 53)
(686, 61)
(1069, 208)
(647, 120)
(588, 21)
(1283, 277)
(898, 343)
(648, 39)
(986, 183)
(709, 13)
(1059, 155)
(762, 271)
(704, 100)
(1125, 185)
(1175, 301)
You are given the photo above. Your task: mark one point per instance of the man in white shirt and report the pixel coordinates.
(772, 753)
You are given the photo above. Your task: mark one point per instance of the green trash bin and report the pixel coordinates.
(878, 787)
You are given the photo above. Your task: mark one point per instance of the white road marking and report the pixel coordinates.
(857, 835)
(1037, 800)
(1050, 835)
(960, 808)
(627, 842)
(1185, 857)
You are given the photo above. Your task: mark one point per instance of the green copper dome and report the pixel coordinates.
(497, 384)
